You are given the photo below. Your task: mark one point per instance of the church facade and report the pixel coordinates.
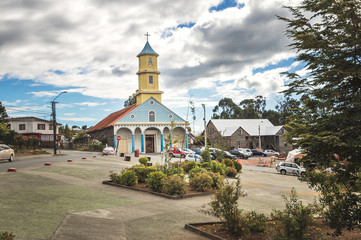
(147, 124)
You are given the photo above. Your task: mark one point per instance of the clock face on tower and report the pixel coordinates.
(150, 62)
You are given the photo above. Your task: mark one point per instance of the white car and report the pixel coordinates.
(291, 168)
(188, 150)
(193, 157)
(270, 152)
(246, 151)
(108, 151)
(6, 153)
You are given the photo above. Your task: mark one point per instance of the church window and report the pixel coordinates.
(151, 116)
(150, 61)
(132, 116)
(170, 116)
(151, 102)
(150, 79)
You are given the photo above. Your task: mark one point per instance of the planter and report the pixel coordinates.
(176, 197)
(194, 228)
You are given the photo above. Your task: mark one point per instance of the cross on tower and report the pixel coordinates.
(147, 34)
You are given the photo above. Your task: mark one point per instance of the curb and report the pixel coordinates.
(193, 227)
(177, 197)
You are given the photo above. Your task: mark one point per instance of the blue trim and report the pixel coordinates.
(142, 143)
(186, 140)
(161, 142)
(132, 143)
(171, 142)
(115, 141)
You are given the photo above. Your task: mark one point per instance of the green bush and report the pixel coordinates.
(196, 170)
(175, 185)
(224, 205)
(128, 178)
(114, 177)
(174, 171)
(143, 160)
(218, 167)
(201, 182)
(218, 180)
(206, 155)
(231, 172)
(142, 172)
(206, 165)
(188, 165)
(155, 181)
(255, 222)
(6, 236)
(295, 220)
(219, 155)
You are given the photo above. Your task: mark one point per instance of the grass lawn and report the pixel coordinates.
(32, 206)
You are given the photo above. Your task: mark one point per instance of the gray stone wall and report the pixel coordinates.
(105, 135)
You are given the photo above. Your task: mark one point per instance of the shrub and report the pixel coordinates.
(201, 182)
(175, 185)
(196, 170)
(294, 221)
(114, 177)
(188, 165)
(255, 222)
(206, 155)
(218, 180)
(6, 236)
(174, 171)
(142, 172)
(218, 167)
(219, 155)
(224, 205)
(231, 172)
(128, 178)
(155, 181)
(206, 165)
(143, 160)
(228, 162)
(238, 166)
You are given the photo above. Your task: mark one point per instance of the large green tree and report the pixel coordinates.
(226, 109)
(327, 36)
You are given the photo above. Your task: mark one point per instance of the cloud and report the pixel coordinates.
(77, 119)
(90, 104)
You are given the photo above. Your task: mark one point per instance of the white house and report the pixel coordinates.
(34, 127)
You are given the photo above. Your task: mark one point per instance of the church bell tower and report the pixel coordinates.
(148, 83)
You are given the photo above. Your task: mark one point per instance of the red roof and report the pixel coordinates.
(113, 118)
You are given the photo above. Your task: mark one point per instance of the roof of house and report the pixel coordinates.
(147, 50)
(113, 118)
(228, 126)
(30, 119)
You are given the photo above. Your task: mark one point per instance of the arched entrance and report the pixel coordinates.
(152, 140)
(125, 143)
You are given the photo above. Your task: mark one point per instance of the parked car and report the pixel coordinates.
(176, 152)
(187, 150)
(229, 155)
(108, 151)
(239, 153)
(271, 152)
(6, 153)
(290, 168)
(257, 152)
(193, 157)
(247, 151)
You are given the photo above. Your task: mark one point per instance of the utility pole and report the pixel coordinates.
(205, 126)
(54, 120)
(259, 135)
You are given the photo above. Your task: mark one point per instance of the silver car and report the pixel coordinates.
(6, 153)
(290, 168)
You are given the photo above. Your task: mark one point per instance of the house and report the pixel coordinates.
(34, 127)
(248, 133)
(148, 124)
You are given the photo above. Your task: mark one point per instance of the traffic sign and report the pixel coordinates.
(118, 138)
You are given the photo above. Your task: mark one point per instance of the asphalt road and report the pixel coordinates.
(39, 160)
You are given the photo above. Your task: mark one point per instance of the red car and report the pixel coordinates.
(176, 152)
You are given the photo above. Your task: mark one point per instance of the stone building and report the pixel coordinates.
(146, 124)
(246, 133)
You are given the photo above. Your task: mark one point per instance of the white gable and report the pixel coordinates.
(228, 126)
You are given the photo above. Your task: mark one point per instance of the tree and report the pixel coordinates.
(131, 100)
(327, 35)
(3, 115)
(226, 109)
(84, 127)
(286, 108)
(253, 108)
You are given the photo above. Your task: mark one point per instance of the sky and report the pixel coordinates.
(208, 50)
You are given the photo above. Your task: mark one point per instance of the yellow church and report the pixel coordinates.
(144, 125)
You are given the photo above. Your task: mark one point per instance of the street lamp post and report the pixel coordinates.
(259, 135)
(205, 126)
(54, 120)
